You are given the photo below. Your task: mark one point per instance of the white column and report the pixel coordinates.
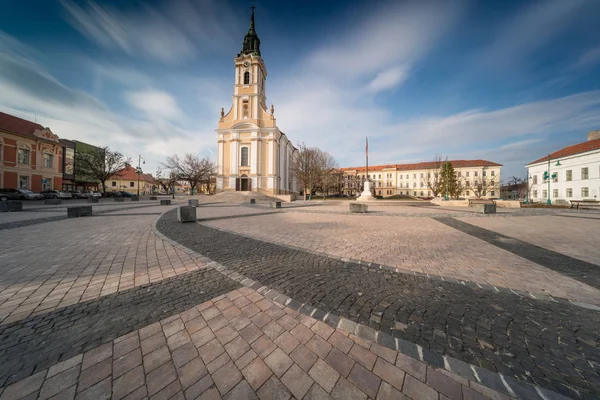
(271, 156)
(235, 144)
(254, 156)
(237, 75)
(220, 159)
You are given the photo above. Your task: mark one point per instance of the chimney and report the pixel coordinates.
(593, 135)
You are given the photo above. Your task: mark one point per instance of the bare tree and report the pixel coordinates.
(310, 165)
(434, 178)
(191, 169)
(99, 164)
(479, 185)
(167, 182)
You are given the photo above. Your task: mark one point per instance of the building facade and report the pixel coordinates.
(30, 155)
(126, 180)
(477, 178)
(72, 179)
(253, 154)
(571, 173)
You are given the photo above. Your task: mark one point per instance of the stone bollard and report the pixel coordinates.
(485, 208)
(358, 208)
(119, 199)
(52, 202)
(193, 202)
(275, 204)
(93, 199)
(186, 214)
(165, 202)
(79, 211)
(11, 205)
(252, 201)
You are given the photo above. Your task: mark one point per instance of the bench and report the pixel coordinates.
(165, 202)
(93, 199)
(252, 201)
(275, 204)
(485, 208)
(472, 202)
(153, 198)
(193, 202)
(186, 214)
(79, 211)
(11, 205)
(358, 208)
(585, 203)
(52, 202)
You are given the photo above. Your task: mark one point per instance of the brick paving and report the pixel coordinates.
(411, 244)
(189, 356)
(550, 343)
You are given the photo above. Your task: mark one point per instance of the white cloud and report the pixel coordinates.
(589, 59)
(155, 104)
(388, 79)
(171, 33)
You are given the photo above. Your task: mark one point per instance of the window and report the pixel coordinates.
(244, 157)
(47, 162)
(535, 194)
(421, 176)
(414, 176)
(458, 173)
(24, 181)
(492, 193)
(584, 173)
(493, 173)
(414, 193)
(467, 192)
(131, 184)
(379, 176)
(467, 174)
(569, 192)
(475, 173)
(415, 185)
(23, 156)
(246, 78)
(535, 180)
(380, 192)
(484, 173)
(585, 192)
(555, 193)
(422, 184)
(545, 194)
(114, 184)
(428, 175)
(569, 175)
(421, 193)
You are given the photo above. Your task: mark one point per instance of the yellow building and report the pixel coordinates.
(253, 154)
(126, 180)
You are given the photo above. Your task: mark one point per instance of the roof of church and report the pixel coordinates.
(426, 165)
(251, 43)
(571, 150)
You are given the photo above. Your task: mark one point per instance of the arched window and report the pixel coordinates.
(246, 78)
(244, 157)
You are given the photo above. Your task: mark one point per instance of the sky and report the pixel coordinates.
(506, 81)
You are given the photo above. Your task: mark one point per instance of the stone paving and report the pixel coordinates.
(409, 243)
(242, 345)
(108, 309)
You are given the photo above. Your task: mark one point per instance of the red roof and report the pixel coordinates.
(427, 165)
(19, 126)
(571, 150)
(129, 174)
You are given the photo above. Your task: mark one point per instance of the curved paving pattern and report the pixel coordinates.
(552, 344)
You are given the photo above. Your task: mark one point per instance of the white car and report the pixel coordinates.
(92, 193)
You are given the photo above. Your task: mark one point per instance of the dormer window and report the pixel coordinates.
(246, 78)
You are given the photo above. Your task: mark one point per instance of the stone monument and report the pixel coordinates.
(366, 193)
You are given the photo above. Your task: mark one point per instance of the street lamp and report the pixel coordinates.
(446, 195)
(139, 172)
(547, 176)
(527, 196)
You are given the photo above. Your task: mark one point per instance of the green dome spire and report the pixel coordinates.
(251, 41)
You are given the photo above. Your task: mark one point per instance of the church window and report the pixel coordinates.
(244, 157)
(246, 78)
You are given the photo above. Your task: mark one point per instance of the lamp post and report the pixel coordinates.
(527, 196)
(139, 172)
(548, 177)
(446, 195)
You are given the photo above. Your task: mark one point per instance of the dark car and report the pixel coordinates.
(21, 194)
(126, 194)
(56, 194)
(9, 196)
(78, 194)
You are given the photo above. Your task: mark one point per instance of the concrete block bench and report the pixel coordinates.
(484, 208)
(92, 199)
(252, 201)
(52, 202)
(119, 199)
(186, 214)
(275, 204)
(165, 202)
(11, 205)
(135, 198)
(153, 198)
(358, 208)
(79, 211)
(193, 202)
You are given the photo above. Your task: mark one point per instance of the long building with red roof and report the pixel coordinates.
(477, 178)
(571, 173)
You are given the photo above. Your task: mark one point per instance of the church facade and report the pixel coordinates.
(253, 154)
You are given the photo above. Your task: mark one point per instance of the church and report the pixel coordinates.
(253, 154)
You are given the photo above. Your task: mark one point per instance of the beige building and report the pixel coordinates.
(477, 178)
(253, 154)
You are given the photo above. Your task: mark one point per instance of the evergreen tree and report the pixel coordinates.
(448, 182)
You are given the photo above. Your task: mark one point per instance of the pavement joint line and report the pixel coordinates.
(342, 322)
(471, 284)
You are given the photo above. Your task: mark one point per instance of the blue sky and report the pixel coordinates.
(507, 81)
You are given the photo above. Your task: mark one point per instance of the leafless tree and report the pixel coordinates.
(434, 178)
(310, 166)
(479, 185)
(191, 168)
(99, 164)
(168, 181)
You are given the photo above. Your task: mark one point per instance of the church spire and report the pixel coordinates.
(251, 43)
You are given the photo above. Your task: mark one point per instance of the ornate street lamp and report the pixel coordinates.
(547, 176)
(139, 172)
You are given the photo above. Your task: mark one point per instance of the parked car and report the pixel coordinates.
(8, 196)
(56, 194)
(78, 194)
(22, 194)
(124, 194)
(91, 193)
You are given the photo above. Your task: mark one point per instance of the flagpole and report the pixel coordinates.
(367, 157)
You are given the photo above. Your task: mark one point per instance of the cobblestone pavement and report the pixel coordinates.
(56, 264)
(408, 243)
(552, 344)
(242, 345)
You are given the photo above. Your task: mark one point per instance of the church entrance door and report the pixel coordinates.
(245, 183)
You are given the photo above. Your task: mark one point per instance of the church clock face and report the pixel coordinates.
(246, 64)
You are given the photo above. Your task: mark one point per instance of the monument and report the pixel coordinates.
(366, 193)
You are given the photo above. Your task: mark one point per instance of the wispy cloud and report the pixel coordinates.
(154, 104)
(174, 32)
(589, 58)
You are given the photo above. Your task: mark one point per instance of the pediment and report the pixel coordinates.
(47, 134)
(244, 125)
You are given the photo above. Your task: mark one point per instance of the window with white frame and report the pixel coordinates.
(23, 156)
(545, 194)
(492, 193)
(476, 173)
(48, 160)
(484, 173)
(535, 179)
(244, 157)
(535, 194)
(493, 173)
(569, 176)
(585, 173)
(569, 192)
(23, 182)
(467, 174)
(554, 193)
(585, 192)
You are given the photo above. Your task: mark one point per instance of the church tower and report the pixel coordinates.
(253, 154)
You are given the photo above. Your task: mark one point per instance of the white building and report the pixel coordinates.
(574, 173)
